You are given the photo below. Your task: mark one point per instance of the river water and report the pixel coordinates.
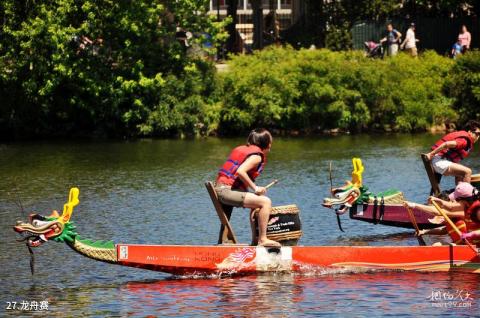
(151, 191)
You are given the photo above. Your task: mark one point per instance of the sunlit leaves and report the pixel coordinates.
(320, 89)
(111, 66)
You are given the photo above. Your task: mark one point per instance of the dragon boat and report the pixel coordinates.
(382, 208)
(238, 259)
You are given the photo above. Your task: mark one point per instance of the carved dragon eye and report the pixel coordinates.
(38, 223)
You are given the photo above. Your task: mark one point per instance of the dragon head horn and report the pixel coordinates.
(68, 207)
(357, 172)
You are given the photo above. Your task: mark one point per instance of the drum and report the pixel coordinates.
(284, 225)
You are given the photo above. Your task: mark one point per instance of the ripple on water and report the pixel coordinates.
(152, 191)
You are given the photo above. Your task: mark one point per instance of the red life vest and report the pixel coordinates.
(454, 154)
(453, 234)
(472, 223)
(228, 172)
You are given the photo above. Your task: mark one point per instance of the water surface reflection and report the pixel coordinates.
(151, 191)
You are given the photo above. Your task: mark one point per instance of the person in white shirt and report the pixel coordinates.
(410, 42)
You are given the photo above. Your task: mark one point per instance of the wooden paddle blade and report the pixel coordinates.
(420, 239)
(32, 259)
(454, 227)
(331, 179)
(339, 222)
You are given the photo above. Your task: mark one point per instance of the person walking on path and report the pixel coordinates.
(410, 42)
(464, 38)
(392, 37)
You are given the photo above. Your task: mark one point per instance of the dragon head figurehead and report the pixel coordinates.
(40, 229)
(344, 197)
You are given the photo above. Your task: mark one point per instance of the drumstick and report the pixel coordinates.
(271, 183)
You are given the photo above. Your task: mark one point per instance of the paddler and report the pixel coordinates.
(463, 208)
(448, 151)
(238, 174)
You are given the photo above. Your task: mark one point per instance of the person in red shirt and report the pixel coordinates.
(448, 151)
(238, 174)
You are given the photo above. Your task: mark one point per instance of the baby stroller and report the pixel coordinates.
(373, 50)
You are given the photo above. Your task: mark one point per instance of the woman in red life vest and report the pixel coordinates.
(451, 149)
(238, 174)
(463, 208)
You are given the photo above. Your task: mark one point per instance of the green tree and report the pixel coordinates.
(463, 85)
(106, 67)
(316, 90)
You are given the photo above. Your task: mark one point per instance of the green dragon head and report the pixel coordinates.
(40, 229)
(352, 192)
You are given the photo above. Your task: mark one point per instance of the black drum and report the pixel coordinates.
(284, 225)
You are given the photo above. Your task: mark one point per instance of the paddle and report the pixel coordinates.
(454, 227)
(19, 204)
(420, 239)
(339, 222)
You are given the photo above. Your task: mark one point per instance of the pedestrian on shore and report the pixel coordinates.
(392, 38)
(410, 42)
(456, 50)
(465, 38)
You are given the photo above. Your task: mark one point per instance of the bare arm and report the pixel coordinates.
(435, 231)
(453, 206)
(251, 163)
(452, 209)
(446, 144)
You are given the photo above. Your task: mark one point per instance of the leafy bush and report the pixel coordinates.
(320, 89)
(139, 80)
(103, 67)
(463, 85)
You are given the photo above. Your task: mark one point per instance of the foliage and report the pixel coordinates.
(103, 67)
(134, 78)
(320, 89)
(464, 86)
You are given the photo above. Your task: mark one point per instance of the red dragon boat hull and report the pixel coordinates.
(392, 215)
(234, 259)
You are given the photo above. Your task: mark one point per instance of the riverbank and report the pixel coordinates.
(291, 92)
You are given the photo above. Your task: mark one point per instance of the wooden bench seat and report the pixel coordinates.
(224, 212)
(433, 177)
